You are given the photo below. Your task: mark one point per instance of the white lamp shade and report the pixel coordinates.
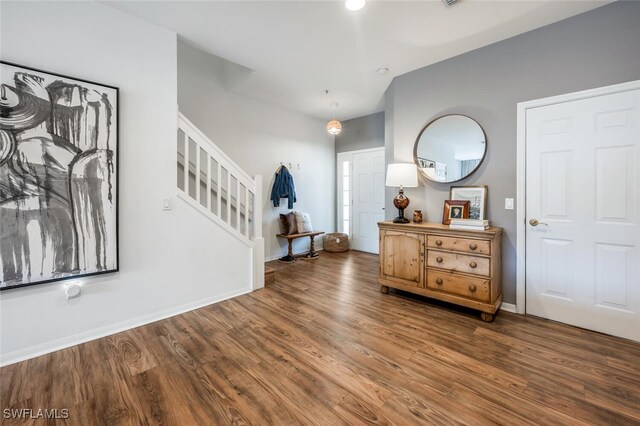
(402, 174)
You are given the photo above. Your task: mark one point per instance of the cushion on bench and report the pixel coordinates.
(288, 224)
(304, 222)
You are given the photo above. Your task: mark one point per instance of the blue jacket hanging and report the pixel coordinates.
(283, 187)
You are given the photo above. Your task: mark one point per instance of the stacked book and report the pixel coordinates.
(470, 224)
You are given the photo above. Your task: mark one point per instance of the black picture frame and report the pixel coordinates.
(66, 96)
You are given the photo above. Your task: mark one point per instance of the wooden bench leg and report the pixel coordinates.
(313, 254)
(289, 257)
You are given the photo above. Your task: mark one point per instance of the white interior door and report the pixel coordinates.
(368, 199)
(583, 186)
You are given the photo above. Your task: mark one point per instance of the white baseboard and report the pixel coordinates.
(66, 342)
(269, 259)
(508, 307)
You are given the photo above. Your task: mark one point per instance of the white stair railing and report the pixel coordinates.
(216, 186)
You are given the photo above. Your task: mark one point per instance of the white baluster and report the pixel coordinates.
(238, 204)
(198, 180)
(219, 191)
(186, 163)
(208, 176)
(228, 197)
(246, 212)
(257, 207)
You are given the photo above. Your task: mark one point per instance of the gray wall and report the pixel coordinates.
(597, 48)
(361, 133)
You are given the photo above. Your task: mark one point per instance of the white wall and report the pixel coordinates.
(258, 136)
(169, 261)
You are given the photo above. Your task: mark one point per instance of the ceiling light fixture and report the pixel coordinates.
(334, 127)
(354, 5)
(382, 71)
(450, 3)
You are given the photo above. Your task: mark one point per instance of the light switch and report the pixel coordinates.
(508, 203)
(166, 203)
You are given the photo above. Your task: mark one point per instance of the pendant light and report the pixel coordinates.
(334, 127)
(354, 5)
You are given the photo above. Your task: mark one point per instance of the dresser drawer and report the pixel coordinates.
(467, 245)
(473, 288)
(459, 262)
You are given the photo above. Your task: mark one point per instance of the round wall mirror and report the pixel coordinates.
(450, 148)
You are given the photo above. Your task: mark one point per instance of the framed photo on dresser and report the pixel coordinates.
(455, 209)
(477, 197)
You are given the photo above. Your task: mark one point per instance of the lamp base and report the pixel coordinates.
(400, 220)
(401, 202)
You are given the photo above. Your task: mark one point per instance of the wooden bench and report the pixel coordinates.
(312, 251)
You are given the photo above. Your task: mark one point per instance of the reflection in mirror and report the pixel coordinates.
(450, 148)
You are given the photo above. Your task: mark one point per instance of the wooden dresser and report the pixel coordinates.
(456, 266)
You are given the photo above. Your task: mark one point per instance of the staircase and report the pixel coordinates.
(213, 184)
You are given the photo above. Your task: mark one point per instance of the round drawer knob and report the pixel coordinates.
(439, 259)
(439, 281)
(473, 264)
(472, 288)
(473, 246)
(438, 242)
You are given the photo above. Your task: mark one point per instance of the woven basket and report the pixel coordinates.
(336, 242)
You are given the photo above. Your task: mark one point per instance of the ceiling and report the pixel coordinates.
(298, 49)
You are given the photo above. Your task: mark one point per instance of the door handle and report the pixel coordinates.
(535, 222)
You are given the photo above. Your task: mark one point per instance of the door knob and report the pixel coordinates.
(534, 222)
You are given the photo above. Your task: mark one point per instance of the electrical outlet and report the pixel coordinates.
(508, 203)
(166, 203)
(72, 291)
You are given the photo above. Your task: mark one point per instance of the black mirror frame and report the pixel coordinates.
(415, 149)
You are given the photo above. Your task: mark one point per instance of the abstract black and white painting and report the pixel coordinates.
(58, 177)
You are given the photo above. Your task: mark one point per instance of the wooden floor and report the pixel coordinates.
(324, 346)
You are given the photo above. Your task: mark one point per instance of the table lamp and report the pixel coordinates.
(401, 175)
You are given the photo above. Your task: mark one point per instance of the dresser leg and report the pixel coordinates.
(384, 289)
(486, 317)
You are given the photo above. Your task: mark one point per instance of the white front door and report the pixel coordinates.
(583, 187)
(361, 197)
